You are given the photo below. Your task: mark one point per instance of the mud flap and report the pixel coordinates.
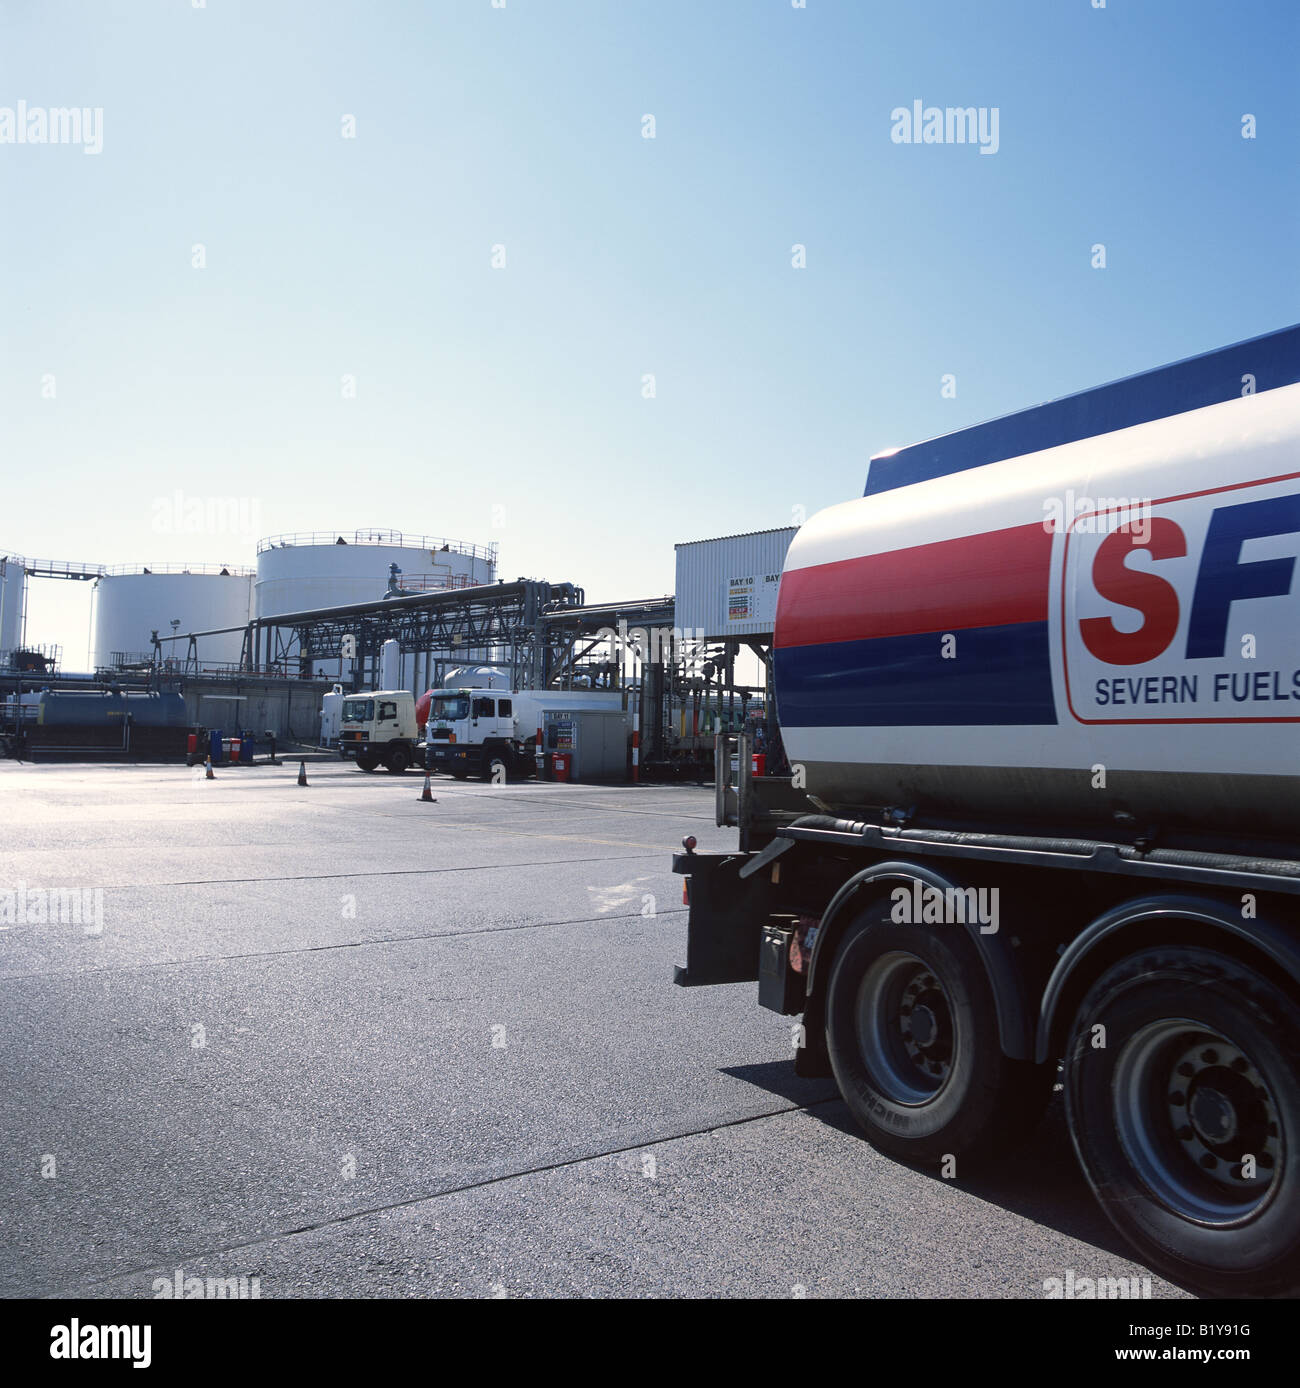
(725, 925)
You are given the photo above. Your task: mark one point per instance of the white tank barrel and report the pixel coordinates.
(476, 677)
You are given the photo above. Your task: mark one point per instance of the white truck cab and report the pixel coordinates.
(494, 732)
(475, 731)
(380, 727)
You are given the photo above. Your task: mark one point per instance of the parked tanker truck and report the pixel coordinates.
(1039, 688)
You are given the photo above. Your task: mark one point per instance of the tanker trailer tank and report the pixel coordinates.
(1096, 633)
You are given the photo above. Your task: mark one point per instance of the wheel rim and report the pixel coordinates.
(907, 1033)
(1190, 1106)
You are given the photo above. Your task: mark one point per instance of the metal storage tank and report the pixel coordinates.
(296, 573)
(66, 709)
(726, 588)
(110, 722)
(13, 580)
(131, 601)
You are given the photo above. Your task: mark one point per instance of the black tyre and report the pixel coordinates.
(912, 1034)
(460, 773)
(491, 762)
(367, 762)
(397, 760)
(1196, 1073)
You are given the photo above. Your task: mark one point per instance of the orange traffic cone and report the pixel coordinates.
(207, 769)
(302, 773)
(426, 795)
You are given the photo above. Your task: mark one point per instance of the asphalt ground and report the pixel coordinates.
(350, 1044)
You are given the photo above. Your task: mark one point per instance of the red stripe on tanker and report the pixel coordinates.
(994, 579)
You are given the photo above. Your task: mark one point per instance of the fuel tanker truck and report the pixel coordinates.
(1039, 688)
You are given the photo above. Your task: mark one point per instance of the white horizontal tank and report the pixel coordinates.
(131, 602)
(302, 572)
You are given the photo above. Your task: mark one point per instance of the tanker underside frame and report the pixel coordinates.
(947, 979)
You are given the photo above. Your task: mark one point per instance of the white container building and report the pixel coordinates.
(726, 588)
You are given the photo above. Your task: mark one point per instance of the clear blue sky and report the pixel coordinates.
(522, 388)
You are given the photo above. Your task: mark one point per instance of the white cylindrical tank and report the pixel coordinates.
(297, 573)
(390, 665)
(331, 713)
(131, 602)
(13, 579)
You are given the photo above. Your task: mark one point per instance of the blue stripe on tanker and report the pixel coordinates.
(999, 676)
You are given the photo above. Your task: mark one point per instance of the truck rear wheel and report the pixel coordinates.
(367, 762)
(1181, 1109)
(493, 760)
(397, 760)
(912, 1033)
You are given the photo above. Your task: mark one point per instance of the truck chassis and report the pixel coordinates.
(945, 976)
